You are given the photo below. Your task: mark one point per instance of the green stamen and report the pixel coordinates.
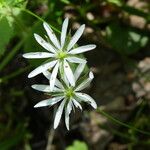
(69, 92)
(61, 55)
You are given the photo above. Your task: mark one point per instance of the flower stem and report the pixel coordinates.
(51, 134)
(39, 18)
(50, 139)
(121, 123)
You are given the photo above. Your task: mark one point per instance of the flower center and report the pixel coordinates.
(61, 55)
(69, 92)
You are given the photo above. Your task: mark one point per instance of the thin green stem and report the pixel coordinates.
(39, 18)
(121, 123)
(32, 14)
(115, 132)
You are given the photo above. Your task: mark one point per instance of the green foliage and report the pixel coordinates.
(130, 127)
(65, 1)
(125, 40)
(19, 134)
(116, 2)
(11, 8)
(9, 12)
(6, 33)
(77, 145)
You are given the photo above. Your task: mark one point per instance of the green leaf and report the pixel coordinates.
(65, 1)
(77, 145)
(137, 12)
(9, 14)
(6, 32)
(116, 2)
(125, 40)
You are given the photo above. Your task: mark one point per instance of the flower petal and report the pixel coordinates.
(49, 102)
(69, 73)
(41, 87)
(45, 88)
(82, 49)
(42, 68)
(79, 70)
(47, 74)
(77, 104)
(53, 76)
(51, 35)
(63, 32)
(85, 83)
(65, 80)
(76, 60)
(59, 114)
(86, 98)
(76, 37)
(67, 113)
(38, 55)
(44, 44)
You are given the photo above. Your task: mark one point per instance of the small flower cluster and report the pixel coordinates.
(63, 69)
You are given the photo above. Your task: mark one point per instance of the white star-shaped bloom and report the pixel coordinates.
(69, 96)
(60, 54)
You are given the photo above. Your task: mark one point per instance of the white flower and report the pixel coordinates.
(60, 54)
(69, 95)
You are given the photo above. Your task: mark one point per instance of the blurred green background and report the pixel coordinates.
(121, 64)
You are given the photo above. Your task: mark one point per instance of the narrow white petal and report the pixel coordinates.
(38, 55)
(56, 89)
(44, 44)
(49, 102)
(82, 49)
(67, 113)
(51, 35)
(46, 88)
(59, 114)
(53, 76)
(42, 68)
(85, 83)
(59, 84)
(63, 75)
(41, 87)
(69, 73)
(86, 98)
(65, 80)
(76, 37)
(64, 31)
(77, 104)
(47, 74)
(79, 70)
(76, 60)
